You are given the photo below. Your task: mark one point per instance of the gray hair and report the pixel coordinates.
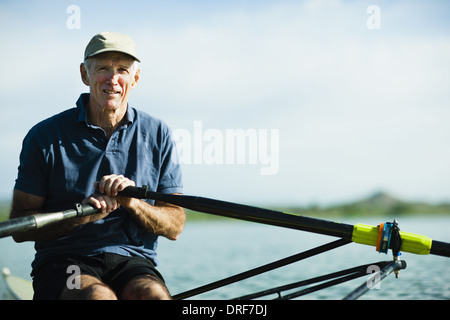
(87, 65)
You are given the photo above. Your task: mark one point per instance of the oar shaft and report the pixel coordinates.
(359, 233)
(276, 218)
(440, 248)
(249, 213)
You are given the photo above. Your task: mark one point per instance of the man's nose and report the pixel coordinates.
(113, 76)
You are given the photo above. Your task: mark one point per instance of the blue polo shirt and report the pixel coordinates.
(64, 155)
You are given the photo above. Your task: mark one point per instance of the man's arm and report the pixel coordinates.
(25, 204)
(162, 219)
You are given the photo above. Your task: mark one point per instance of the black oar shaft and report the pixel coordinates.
(249, 213)
(272, 217)
(440, 248)
(359, 233)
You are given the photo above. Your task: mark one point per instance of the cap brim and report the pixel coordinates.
(112, 50)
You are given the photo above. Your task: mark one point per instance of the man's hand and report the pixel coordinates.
(111, 185)
(107, 199)
(161, 218)
(104, 203)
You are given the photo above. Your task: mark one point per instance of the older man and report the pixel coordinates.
(90, 153)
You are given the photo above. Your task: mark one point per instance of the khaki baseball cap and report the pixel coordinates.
(110, 41)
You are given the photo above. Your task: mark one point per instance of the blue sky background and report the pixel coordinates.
(357, 110)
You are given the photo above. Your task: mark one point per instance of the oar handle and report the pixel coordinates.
(23, 224)
(83, 210)
(37, 221)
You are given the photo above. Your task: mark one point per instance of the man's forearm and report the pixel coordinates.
(25, 204)
(162, 219)
(47, 233)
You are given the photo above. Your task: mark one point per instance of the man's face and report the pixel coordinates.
(110, 80)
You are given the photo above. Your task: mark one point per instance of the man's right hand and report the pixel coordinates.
(104, 203)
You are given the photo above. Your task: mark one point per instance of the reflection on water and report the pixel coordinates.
(209, 251)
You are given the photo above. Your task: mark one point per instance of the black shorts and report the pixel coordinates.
(50, 278)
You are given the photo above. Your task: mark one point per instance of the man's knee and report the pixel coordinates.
(146, 287)
(91, 289)
(98, 291)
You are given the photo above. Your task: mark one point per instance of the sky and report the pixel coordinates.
(270, 102)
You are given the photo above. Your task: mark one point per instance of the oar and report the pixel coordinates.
(359, 233)
(37, 221)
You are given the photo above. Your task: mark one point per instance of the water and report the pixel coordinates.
(209, 251)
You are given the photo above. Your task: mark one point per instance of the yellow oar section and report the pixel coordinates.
(414, 243)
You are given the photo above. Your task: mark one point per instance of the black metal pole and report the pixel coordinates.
(361, 270)
(261, 269)
(383, 273)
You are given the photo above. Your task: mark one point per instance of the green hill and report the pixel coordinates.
(378, 204)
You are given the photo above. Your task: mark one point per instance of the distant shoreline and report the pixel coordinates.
(379, 204)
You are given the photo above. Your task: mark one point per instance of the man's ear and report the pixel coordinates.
(84, 75)
(136, 78)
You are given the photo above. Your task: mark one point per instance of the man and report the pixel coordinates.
(89, 154)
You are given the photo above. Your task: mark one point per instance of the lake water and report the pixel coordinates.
(211, 250)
